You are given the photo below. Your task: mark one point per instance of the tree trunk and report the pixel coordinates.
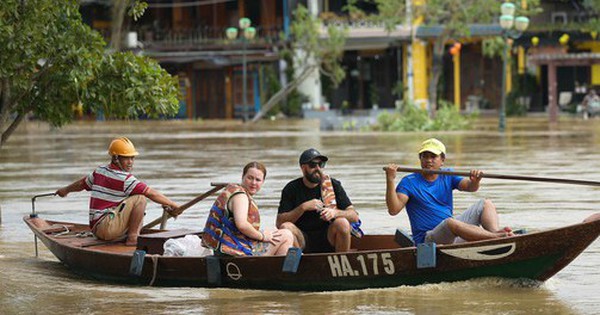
(6, 133)
(281, 94)
(119, 8)
(4, 109)
(4, 98)
(436, 73)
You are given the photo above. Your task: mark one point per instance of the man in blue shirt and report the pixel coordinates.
(429, 202)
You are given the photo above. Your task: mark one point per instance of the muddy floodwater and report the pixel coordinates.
(182, 158)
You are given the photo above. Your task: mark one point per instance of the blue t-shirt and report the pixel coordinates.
(429, 203)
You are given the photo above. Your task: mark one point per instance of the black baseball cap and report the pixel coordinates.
(310, 155)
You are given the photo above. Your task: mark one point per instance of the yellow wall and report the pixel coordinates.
(594, 47)
(596, 68)
(420, 72)
(521, 59)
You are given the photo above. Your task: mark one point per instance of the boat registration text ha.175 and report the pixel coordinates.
(368, 264)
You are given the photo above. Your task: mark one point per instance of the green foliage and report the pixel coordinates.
(412, 118)
(130, 86)
(593, 7)
(373, 94)
(493, 46)
(449, 118)
(349, 125)
(409, 118)
(514, 105)
(50, 60)
(292, 107)
(454, 15)
(399, 89)
(271, 85)
(524, 88)
(326, 53)
(306, 50)
(137, 9)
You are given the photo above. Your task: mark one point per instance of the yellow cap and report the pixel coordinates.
(434, 146)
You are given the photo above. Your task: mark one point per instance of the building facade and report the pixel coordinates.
(189, 39)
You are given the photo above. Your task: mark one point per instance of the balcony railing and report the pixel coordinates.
(187, 38)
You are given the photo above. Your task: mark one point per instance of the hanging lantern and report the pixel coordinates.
(535, 41)
(455, 49)
(231, 33)
(564, 39)
(594, 34)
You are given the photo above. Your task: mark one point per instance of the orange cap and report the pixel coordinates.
(122, 147)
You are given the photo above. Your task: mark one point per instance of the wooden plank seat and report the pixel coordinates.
(153, 243)
(57, 228)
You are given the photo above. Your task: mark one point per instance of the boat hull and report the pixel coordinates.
(375, 261)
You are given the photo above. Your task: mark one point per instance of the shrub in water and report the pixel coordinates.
(412, 118)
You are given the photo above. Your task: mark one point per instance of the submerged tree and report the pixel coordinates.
(310, 51)
(50, 61)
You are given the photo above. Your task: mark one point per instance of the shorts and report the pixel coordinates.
(441, 234)
(317, 242)
(116, 222)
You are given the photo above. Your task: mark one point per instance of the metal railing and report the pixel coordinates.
(201, 35)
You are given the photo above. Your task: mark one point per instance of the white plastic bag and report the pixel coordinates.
(190, 245)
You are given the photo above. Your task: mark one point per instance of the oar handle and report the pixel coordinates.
(217, 187)
(498, 176)
(166, 215)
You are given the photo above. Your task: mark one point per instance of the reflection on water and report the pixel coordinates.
(182, 158)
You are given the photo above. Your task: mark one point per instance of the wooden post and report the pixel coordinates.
(456, 60)
(552, 95)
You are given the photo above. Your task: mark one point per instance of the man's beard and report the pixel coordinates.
(314, 177)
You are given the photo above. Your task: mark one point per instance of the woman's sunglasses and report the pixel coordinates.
(313, 164)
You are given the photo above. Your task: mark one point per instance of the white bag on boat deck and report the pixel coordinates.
(190, 245)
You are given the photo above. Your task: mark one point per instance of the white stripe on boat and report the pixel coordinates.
(489, 252)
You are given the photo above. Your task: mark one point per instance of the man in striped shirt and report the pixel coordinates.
(118, 199)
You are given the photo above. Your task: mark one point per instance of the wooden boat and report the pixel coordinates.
(376, 261)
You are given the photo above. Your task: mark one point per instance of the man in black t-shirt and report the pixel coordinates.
(316, 228)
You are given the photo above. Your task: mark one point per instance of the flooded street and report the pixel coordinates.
(182, 158)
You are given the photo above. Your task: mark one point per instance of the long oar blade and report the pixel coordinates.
(498, 176)
(217, 187)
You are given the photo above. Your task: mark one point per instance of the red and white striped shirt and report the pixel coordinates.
(109, 186)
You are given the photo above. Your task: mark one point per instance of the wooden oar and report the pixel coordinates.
(515, 177)
(165, 216)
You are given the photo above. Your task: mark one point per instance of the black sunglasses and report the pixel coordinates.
(313, 164)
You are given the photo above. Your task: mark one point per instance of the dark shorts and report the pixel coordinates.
(316, 242)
